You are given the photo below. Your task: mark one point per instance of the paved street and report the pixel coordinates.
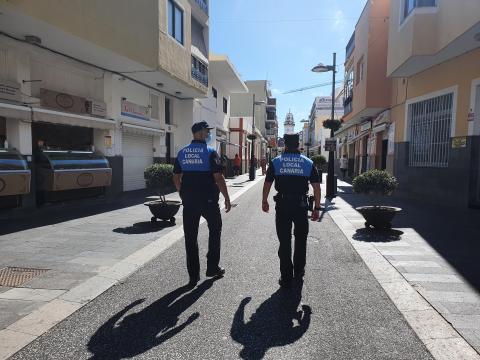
(341, 312)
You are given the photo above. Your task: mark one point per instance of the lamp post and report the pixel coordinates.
(251, 173)
(330, 175)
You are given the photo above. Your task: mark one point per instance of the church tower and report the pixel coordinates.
(289, 124)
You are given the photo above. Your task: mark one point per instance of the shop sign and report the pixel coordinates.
(96, 108)
(366, 126)
(61, 101)
(108, 141)
(459, 142)
(134, 111)
(330, 144)
(10, 90)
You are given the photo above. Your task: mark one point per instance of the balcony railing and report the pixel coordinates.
(201, 78)
(350, 46)
(203, 5)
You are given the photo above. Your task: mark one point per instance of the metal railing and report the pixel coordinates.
(201, 78)
(350, 46)
(429, 126)
(203, 5)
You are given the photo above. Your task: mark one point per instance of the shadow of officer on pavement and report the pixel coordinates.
(148, 328)
(277, 322)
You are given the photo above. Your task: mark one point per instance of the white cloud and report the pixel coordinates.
(339, 22)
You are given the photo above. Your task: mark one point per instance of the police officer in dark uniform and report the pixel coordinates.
(199, 180)
(291, 173)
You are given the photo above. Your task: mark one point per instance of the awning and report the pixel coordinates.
(379, 128)
(358, 137)
(57, 117)
(143, 130)
(15, 111)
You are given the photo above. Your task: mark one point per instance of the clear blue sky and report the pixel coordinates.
(281, 40)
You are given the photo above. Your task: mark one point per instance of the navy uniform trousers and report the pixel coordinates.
(193, 209)
(290, 213)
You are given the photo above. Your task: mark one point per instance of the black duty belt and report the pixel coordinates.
(292, 197)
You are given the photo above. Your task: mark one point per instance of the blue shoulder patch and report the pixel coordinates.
(195, 158)
(292, 165)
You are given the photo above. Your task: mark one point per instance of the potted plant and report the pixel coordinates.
(332, 124)
(159, 177)
(377, 184)
(319, 161)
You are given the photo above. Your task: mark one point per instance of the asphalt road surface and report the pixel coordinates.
(341, 312)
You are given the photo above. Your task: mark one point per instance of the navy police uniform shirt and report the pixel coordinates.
(291, 173)
(197, 163)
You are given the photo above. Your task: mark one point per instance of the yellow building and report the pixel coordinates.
(433, 59)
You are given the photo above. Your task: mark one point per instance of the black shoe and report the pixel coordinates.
(218, 272)
(285, 283)
(193, 282)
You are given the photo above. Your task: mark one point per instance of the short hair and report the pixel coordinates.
(292, 141)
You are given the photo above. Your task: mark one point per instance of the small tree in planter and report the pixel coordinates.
(160, 178)
(319, 161)
(376, 183)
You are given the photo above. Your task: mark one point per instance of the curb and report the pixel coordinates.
(21, 333)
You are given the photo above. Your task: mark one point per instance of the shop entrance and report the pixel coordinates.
(62, 137)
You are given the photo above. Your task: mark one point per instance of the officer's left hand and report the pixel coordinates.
(315, 215)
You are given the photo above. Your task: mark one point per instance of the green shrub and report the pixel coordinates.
(159, 177)
(332, 124)
(319, 161)
(378, 182)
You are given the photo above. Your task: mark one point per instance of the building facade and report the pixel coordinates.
(367, 92)
(433, 57)
(78, 80)
(215, 109)
(257, 101)
(322, 110)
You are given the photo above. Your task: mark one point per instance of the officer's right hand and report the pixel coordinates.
(265, 206)
(228, 205)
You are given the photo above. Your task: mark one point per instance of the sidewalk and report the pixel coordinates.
(85, 251)
(434, 250)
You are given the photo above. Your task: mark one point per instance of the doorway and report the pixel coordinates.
(168, 145)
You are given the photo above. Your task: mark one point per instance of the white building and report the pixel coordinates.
(80, 83)
(215, 109)
(322, 110)
(289, 124)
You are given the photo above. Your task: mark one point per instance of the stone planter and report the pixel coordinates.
(378, 217)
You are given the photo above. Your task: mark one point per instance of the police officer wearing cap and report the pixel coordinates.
(291, 172)
(199, 180)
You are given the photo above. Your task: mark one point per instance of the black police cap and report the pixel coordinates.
(291, 140)
(200, 126)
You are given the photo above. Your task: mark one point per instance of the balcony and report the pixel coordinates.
(272, 102)
(203, 5)
(350, 46)
(199, 71)
(271, 115)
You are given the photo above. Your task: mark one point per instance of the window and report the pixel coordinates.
(409, 5)
(168, 120)
(199, 71)
(225, 105)
(175, 21)
(429, 126)
(214, 92)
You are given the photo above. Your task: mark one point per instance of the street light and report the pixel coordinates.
(320, 68)
(251, 174)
